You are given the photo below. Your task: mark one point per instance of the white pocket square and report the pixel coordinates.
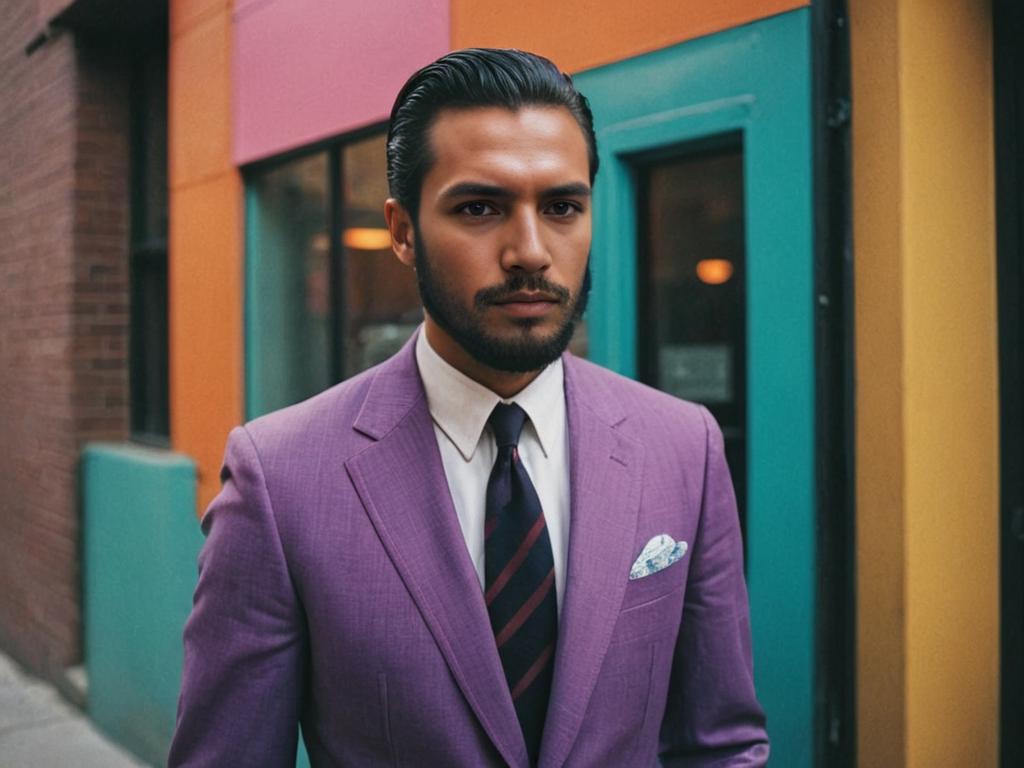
(658, 554)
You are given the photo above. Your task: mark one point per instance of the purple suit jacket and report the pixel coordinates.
(335, 589)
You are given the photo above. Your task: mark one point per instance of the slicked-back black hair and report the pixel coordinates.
(473, 77)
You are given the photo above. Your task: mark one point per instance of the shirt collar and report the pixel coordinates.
(461, 406)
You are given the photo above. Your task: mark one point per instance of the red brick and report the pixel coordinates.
(64, 316)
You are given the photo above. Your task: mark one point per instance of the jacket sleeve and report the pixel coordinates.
(713, 717)
(245, 638)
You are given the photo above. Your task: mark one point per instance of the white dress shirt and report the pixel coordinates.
(460, 408)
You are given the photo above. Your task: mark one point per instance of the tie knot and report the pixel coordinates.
(507, 422)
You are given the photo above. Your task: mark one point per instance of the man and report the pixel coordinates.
(484, 551)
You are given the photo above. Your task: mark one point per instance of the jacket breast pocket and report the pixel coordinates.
(657, 616)
(647, 589)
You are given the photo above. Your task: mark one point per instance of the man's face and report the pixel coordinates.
(502, 242)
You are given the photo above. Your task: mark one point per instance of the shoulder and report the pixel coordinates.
(328, 419)
(678, 439)
(334, 407)
(676, 435)
(637, 407)
(325, 427)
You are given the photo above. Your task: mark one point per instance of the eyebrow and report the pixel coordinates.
(477, 189)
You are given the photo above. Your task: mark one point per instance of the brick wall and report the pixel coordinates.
(101, 236)
(63, 318)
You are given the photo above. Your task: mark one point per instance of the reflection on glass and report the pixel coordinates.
(691, 329)
(381, 306)
(290, 283)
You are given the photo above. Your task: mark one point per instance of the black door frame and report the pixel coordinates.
(1008, 26)
(835, 678)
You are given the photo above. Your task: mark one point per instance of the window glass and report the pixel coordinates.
(150, 161)
(327, 297)
(148, 370)
(290, 277)
(691, 330)
(381, 305)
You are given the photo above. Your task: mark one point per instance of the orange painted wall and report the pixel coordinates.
(205, 247)
(582, 35)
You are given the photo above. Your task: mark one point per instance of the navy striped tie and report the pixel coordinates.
(519, 576)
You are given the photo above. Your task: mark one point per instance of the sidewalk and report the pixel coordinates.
(39, 729)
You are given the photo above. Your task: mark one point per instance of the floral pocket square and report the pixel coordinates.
(659, 553)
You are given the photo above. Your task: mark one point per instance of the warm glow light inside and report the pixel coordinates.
(714, 271)
(367, 238)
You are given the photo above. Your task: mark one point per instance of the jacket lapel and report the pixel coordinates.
(401, 482)
(605, 472)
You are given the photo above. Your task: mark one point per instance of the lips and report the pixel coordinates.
(527, 297)
(527, 303)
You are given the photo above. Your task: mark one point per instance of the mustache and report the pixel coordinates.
(520, 282)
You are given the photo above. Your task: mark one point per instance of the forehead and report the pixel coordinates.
(489, 143)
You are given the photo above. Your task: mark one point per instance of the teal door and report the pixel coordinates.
(703, 286)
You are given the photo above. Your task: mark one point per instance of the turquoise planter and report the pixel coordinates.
(141, 540)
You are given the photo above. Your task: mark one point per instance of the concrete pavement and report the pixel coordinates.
(39, 729)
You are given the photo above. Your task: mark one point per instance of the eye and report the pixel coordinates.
(476, 208)
(564, 208)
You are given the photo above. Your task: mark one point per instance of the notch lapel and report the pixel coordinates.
(605, 473)
(401, 482)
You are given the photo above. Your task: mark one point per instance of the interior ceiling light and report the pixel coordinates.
(367, 238)
(714, 271)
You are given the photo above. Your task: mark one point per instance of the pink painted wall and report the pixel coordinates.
(309, 69)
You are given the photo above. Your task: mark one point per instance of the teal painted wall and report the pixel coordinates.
(141, 540)
(755, 79)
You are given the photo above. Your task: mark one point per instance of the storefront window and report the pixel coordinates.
(326, 297)
(289, 284)
(381, 307)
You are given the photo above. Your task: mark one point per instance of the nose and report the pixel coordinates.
(525, 248)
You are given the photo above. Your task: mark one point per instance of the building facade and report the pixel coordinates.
(795, 224)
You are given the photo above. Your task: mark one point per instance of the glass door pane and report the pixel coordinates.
(691, 325)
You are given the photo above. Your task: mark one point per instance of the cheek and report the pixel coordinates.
(463, 267)
(467, 258)
(572, 240)
(575, 254)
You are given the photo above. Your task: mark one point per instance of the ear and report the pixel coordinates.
(402, 232)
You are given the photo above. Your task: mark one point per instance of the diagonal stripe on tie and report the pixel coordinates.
(525, 610)
(531, 674)
(519, 578)
(517, 560)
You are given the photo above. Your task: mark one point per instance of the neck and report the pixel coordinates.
(502, 383)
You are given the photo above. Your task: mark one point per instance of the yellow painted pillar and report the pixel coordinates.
(877, 197)
(205, 249)
(927, 418)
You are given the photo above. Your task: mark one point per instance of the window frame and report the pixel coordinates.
(334, 147)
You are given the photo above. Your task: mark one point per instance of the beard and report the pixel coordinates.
(518, 353)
